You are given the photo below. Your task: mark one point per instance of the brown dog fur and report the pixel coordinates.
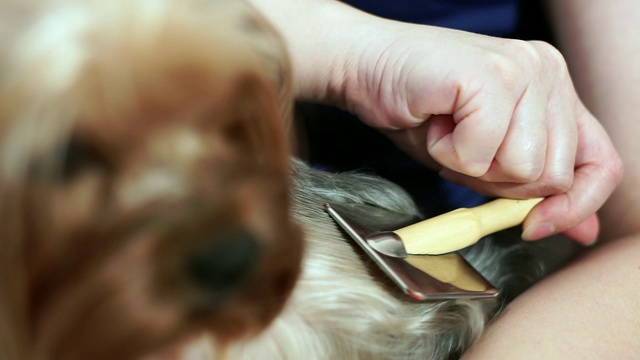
(135, 135)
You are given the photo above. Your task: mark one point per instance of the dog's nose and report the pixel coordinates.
(226, 263)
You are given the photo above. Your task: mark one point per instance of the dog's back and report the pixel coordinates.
(344, 307)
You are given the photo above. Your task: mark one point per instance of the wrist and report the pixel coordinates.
(324, 39)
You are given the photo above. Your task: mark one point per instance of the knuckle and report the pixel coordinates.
(572, 218)
(472, 168)
(519, 163)
(525, 173)
(616, 170)
(530, 53)
(516, 67)
(504, 69)
(551, 56)
(558, 183)
(454, 159)
(460, 165)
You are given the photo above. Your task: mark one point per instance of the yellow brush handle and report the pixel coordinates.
(450, 269)
(463, 227)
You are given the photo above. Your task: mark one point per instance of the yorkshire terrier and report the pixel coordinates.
(149, 208)
(144, 176)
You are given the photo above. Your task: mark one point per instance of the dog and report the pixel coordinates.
(144, 176)
(151, 209)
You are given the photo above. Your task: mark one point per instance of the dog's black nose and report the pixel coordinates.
(226, 262)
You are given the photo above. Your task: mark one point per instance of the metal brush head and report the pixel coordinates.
(423, 277)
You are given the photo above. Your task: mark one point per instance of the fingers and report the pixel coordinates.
(545, 148)
(598, 171)
(522, 145)
(497, 131)
(468, 140)
(522, 155)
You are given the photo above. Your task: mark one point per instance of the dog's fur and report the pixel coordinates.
(143, 160)
(143, 164)
(342, 307)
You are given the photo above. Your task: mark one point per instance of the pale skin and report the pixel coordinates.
(502, 116)
(590, 309)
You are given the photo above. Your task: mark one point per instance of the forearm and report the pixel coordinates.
(601, 41)
(320, 35)
(588, 310)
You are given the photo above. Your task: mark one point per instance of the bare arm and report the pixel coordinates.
(321, 33)
(601, 42)
(589, 310)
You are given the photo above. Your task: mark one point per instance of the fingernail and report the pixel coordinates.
(538, 231)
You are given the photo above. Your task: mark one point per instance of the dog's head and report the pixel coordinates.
(143, 176)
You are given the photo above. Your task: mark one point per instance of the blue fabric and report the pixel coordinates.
(457, 196)
(490, 17)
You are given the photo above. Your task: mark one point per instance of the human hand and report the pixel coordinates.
(499, 116)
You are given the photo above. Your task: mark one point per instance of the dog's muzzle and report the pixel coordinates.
(224, 264)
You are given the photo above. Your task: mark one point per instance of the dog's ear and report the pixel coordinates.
(259, 117)
(13, 275)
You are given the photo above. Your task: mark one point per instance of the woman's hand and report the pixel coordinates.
(499, 116)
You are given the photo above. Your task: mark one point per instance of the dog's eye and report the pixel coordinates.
(68, 160)
(80, 155)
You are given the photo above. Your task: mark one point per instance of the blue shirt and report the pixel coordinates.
(489, 17)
